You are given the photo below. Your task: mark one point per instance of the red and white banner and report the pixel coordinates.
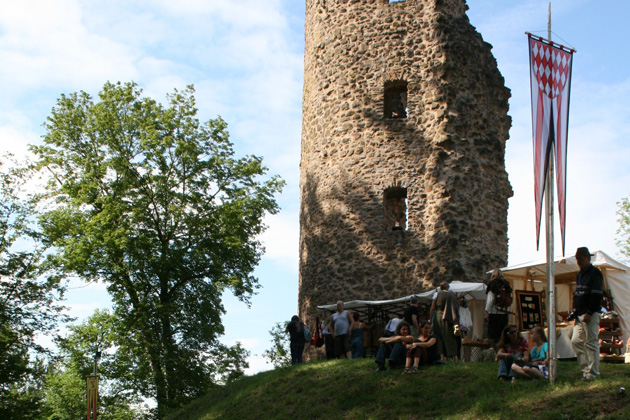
(550, 77)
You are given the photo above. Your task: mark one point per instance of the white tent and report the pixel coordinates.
(475, 291)
(475, 294)
(616, 278)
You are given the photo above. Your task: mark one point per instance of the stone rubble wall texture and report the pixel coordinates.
(449, 153)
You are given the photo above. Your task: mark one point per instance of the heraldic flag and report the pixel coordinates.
(550, 77)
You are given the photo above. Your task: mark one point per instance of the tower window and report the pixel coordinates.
(395, 97)
(395, 208)
(396, 1)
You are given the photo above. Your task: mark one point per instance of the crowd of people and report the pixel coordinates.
(409, 342)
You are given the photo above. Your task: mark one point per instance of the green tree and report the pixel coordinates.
(28, 295)
(65, 384)
(25, 398)
(154, 203)
(278, 354)
(623, 232)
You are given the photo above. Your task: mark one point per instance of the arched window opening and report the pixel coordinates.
(395, 208)
(395, 97)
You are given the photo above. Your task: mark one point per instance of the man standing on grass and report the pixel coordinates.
(412, 316)
(587, 303)
(341, 331)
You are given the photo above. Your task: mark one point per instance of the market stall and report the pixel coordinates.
(530, 279)
(378, 312)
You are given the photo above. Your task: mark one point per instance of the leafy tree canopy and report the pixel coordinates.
(28, 291)
(100, 340)
(278, 354)
(154, 203)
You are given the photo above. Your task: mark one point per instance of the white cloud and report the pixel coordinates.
(15, 140)
(281, 239)
(47, 44)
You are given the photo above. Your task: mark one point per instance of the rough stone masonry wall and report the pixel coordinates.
(448, 153)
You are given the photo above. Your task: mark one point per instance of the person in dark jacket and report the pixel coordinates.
(495, 314)
(412, 316)
(587, 303)
(295, 328)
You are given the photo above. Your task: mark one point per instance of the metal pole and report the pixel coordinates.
(551, 279)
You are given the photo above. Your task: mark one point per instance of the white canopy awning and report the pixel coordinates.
(476, 291)
(566, 268)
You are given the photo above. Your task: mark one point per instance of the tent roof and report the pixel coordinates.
(565, 268)
(476, 291)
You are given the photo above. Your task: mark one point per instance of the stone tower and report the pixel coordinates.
(402, 173)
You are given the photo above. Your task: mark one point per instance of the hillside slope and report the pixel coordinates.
(343, 389)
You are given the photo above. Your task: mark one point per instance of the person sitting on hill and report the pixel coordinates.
(393, 348)
(422, 352)
(538, 366)
(513, 352)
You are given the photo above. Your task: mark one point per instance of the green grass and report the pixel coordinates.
(350, 389)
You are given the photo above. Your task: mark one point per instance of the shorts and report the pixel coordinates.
(342, 344)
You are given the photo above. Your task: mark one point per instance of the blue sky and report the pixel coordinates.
(245, 58)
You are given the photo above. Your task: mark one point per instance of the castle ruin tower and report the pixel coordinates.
(402, 173)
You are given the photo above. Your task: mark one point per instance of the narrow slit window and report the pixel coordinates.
(396, 1)
(395, 207)
(395, 97)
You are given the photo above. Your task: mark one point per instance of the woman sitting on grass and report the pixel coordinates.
(393, 348)
(539, 357)
(422, 352)
(513, 352)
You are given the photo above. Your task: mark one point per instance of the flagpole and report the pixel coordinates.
(549, 201)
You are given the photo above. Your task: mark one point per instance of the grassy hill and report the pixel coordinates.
(350, 389)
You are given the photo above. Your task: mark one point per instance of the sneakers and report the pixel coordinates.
(588, 377)
(379, 367)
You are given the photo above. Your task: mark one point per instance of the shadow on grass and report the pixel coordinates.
(344, 389)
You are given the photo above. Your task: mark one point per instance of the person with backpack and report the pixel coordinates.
(296, 330)
(498, 302)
